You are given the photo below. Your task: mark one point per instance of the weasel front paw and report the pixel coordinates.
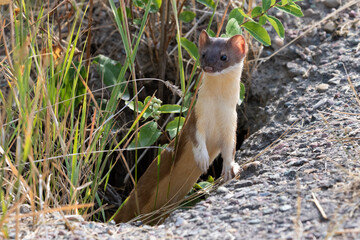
(229, 172)
(201, 157)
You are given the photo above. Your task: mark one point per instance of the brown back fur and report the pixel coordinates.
(175, 180)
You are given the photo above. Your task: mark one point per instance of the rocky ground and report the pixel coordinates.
(307, 181)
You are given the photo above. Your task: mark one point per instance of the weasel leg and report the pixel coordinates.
(201, 154)
(230, 167)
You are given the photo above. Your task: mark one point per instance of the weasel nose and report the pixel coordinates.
(208, 69)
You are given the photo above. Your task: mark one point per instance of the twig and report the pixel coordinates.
(318, 205)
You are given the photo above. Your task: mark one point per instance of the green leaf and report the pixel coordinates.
(236, 14)
(172, 108)
(172, 126)
(109, 71)
(147, 136)
(190, 47)
(242, 93)
(187, 16)
(232, 28)
(262, 20)
(211, 33)
(243, 13)
(202, 185)
(139, 3)
(210, 179)
(257, 11)
(209, 3)
(151, 111)
(155, 4)
(292, 9)
(266, 4)
(258, 32)
(284, 2)
(277, 25)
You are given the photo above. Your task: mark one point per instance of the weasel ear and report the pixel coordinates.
(203, 39)
(238, 44)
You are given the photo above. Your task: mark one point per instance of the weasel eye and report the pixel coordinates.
(223, 58)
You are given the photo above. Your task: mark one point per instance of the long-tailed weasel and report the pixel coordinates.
(210, 130)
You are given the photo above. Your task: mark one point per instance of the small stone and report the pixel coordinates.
(243, 183)
(330, 27)
(285, 208)
(25, 208)
(180, 222)
(283, 199)
(274, 177)
(296, 162)
(320, 103)
(75, 218)
(264, 194)
(275, 157)
(222, 189)
(332, 3)
(334, 81)
(291, 174)
(347, 130)
(323, 87)
(314, 145)
(254, 221)
(295, 69)
(309, 12)
(236, 219)
(267, 211)
(278, 42)
(352, 14)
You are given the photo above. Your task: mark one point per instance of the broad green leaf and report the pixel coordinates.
(257, 11)
(243, 13)
(236, 14)
(209, 3)
(109, 71)
(262, 20)
(172, 108)
(292, 9)
(266, 4)
(190, 47)
(187, 16)
(232, 28)
(139, 3)
(242, 93)
(172, 126)
(211, 33)
(155, 4)
(284, 2)
(258, 32)
(148, 112)
(147, 136)
(277, 25)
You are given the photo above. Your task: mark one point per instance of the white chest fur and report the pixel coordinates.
(217, 118)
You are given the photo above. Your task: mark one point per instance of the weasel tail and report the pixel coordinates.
(167, 188)
(209, 130)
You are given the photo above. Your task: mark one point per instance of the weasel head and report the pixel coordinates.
(220, 55)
